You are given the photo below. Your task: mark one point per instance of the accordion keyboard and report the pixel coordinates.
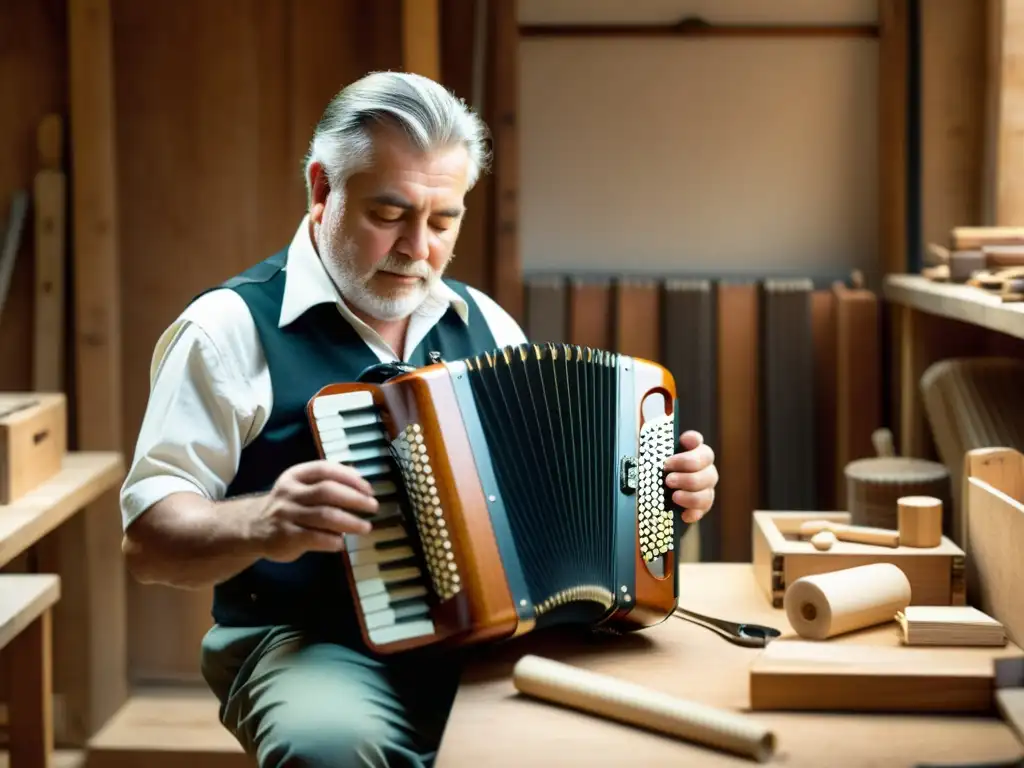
(391, 584)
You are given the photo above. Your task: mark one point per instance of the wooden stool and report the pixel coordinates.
(25, 648)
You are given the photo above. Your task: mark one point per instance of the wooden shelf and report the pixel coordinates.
(83, 477)
(955, 301)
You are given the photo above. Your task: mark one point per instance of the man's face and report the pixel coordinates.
(389, 236)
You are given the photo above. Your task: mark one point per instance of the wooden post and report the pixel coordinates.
(90, 645)
(1004, 158)
(421, 38)
(893, 17)
(503, 111)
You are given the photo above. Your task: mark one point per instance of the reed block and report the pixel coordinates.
(781, 556)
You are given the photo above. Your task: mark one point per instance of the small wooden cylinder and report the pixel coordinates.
(920, 521)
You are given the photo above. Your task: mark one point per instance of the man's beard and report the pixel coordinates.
(339, 260)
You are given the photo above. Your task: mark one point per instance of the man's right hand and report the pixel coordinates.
(309, 509)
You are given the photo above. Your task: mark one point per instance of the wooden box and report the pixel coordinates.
(936, 574)
(33, 441)
(994, 534)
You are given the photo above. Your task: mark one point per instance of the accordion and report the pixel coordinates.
(517, 490)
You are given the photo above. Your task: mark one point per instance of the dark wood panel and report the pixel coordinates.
(33, 82)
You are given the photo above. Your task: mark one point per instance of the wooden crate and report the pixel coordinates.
(33, 441)
(936, 574)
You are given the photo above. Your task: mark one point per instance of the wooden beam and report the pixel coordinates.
(697, 27)
(502, 109)
(421, 38)
(1004, 161)
(90, 645)
(893, 91)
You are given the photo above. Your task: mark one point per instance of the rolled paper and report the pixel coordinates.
(625, 702)
(823, 605)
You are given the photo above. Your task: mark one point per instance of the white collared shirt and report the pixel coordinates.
(210, 393)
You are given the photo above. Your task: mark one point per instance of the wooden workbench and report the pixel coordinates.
(492, 725)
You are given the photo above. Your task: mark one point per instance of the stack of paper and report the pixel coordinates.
(949, 625)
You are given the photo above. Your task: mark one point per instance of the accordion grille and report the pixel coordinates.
(655, 518)
(410, 452)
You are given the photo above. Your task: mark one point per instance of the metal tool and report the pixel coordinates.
(747, 635)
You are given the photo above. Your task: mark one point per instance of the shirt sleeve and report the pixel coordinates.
(504, 328)
(200, 413)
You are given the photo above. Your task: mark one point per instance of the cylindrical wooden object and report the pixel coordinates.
(874, 485)
(920, 521)
(882, 537)
(637, 705)
(823, 605)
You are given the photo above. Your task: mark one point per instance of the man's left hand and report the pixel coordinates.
(692, 476)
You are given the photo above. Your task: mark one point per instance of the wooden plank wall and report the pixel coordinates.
(836, 332)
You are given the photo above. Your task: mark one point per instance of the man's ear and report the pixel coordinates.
(320, 188)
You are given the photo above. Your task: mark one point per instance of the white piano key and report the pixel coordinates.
(357, 541)
(352, 437)
(349, 420)
(345, 456)
(377, 555)
(376, 469)
(384, 488)
(406, 630)
(372, 571)
(388, 597)
(342, 402)
(390, 616)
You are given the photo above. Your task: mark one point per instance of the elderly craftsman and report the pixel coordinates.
(226, 488)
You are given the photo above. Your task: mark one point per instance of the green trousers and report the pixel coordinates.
(298, 701)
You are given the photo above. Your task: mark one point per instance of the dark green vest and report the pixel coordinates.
(317, 349)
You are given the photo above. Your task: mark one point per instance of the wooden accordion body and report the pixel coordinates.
(518, 490)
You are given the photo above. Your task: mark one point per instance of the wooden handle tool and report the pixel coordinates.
(860, 534)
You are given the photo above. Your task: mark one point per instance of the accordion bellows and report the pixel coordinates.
(519, 489)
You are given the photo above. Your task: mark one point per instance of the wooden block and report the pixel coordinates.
(33, 441)
(801, 675)
(781, 557)
(919, 521)
(949, 625)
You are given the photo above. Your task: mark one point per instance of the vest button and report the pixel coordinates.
(252, 597)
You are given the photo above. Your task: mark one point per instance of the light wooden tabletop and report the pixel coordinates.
(494, 726)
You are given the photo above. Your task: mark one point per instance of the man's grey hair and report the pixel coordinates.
(429, 114)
